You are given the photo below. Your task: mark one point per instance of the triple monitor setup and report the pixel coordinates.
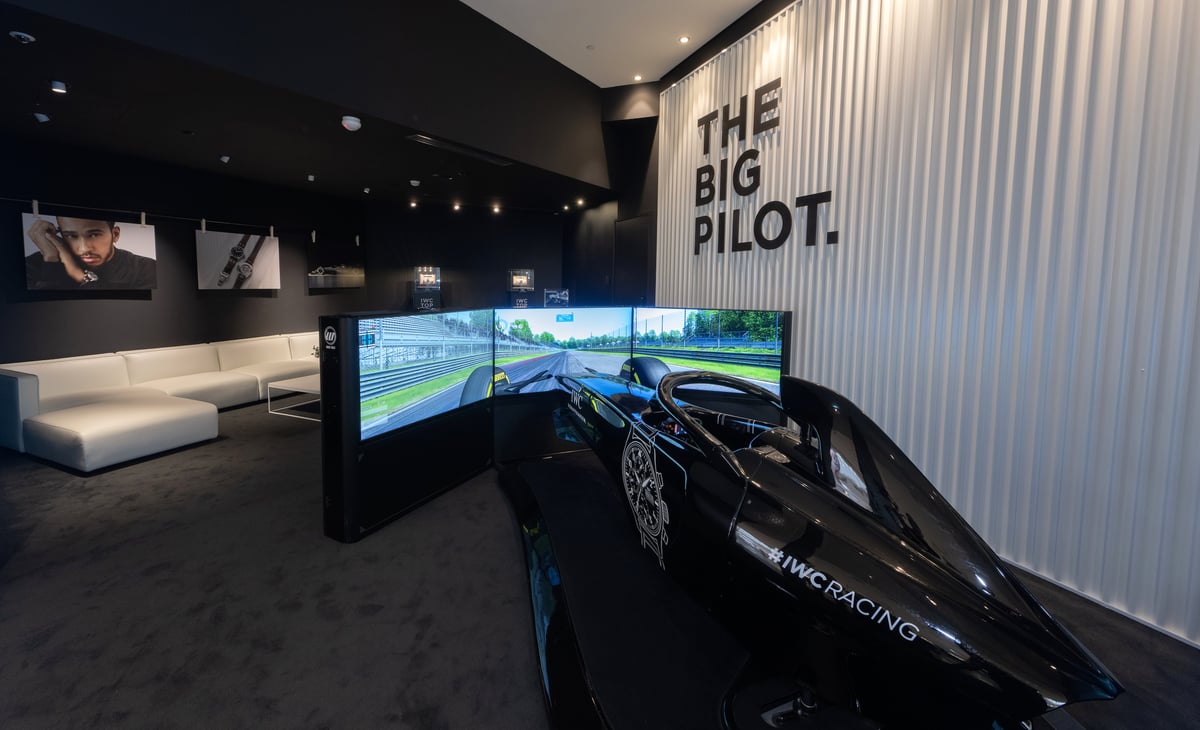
(415, 404)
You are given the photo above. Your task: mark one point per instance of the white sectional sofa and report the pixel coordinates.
(93, 411)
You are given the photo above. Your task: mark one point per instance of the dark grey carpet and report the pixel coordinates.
(1161, 674)
(195, 589)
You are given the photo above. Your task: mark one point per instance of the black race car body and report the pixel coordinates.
(835, 553)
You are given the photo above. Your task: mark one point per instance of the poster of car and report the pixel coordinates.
(334, 262)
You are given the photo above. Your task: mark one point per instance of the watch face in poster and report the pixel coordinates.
(82, 249)
(532, 344)
(236, 260)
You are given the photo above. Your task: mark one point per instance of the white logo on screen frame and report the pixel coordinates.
(642, 483)
(330, 336)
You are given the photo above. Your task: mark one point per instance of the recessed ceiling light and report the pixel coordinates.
(412, 203)
(495, 209)
(637, 77)
(311, 178)
(367, 191)
(351, 123)
(684, 39)
(415, 183)
(225, 159)
(42, 118)
(21, 37)
(457, 206)
(58, 87)
(566, 207)
(579, 202)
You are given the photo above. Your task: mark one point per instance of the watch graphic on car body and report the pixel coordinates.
(246, 268)
(235, 255)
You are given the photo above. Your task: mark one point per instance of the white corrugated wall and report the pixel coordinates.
(1015, 296)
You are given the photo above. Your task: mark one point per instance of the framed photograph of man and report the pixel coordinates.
(236, 260)
(83, 249)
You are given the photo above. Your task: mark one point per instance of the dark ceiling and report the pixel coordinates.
(131, 99)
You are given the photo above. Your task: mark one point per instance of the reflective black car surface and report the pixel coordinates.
(803, 524)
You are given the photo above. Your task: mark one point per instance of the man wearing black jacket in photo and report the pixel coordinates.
(82, 252)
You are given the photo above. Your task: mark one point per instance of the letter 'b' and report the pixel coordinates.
(705, 190)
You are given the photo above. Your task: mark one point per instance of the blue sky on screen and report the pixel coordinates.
(588, 321)
(658, 319)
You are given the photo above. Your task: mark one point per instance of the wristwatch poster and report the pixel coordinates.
(236, 261)
(235, 255)
(246, 268)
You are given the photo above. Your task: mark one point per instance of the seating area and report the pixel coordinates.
(94, 411)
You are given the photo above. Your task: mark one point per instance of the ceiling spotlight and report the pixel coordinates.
(22, 38)
(415, 183)
(566, 207)
(579, 202)
(412, 203)
(367, 191)
(42, 118)
(311, 178)
(495, 209)
(684, 39)
(351, 124)
(457, 206)
(225, 159)
(637, 77)
(58, 87)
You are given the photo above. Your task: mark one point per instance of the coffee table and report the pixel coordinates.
(306, 385)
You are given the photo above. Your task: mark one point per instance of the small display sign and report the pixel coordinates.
(520, 280)
(427, 288)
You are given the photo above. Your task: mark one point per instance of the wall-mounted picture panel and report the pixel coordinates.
(83, 249)
(236, 260)
(335, 264)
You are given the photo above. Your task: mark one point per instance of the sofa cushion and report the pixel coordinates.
(223, 390)
(95, 435)
(269, 372)
(169, 362)
(96, 395)
(234, 354)
(302, 344)
(74, 374)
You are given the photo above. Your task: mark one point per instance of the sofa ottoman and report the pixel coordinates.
(95, 435)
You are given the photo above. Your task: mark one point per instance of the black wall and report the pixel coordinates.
(475, 248)
(439, 67)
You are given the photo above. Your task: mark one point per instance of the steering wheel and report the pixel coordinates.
(666, 398)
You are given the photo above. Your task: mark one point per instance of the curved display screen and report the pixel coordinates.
(412, 367)
(534, 344)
